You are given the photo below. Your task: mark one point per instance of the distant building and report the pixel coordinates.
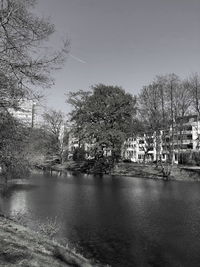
(136, 148)
(145, 146)
(28, 113)
(186, 139)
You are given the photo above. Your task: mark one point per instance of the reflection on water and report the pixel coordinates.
(119, 221)
(18, 203)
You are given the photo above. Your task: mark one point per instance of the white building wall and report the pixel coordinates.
(135, 149)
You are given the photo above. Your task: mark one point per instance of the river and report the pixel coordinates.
(121, 221)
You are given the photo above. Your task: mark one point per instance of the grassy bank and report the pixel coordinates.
(20, 246)
(151, 171)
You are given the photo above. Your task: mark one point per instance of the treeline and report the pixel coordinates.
(106, 116)
(101, 118)
(164, 105)
(25, 64)
(168, 99)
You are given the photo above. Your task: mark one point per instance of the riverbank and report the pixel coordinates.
(150, 171)
(20, 246)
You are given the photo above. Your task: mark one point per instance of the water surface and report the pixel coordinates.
(120, 221)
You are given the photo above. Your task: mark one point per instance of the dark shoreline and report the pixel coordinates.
(147, 171)
(133, 170)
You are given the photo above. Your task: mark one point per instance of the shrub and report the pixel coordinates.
(50, 228)
(79, 154)
(187, 158)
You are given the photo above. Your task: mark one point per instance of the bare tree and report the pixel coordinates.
(25, 62)
(161, 106)
(150, 112)
(24, 59)
(55, 126)
(194, 83)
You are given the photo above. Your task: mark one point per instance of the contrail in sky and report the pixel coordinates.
(78, 59)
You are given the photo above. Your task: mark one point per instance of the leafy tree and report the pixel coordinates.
(79, 154)
(102, 118)
(38, 146)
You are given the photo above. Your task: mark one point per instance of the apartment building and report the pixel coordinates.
(145, 146)
(29, 113)
(74, 143)
(186, 139)
(136, 148)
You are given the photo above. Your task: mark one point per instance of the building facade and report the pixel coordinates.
(149, 147)
(28, 113)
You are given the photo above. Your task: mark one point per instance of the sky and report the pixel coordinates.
(121, 42)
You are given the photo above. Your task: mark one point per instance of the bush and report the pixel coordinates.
(79, 154)
(97, 166)
(50, 228)
(127, 161)
(184, 158)
(196, 158)
(187, 158)
(102, 165)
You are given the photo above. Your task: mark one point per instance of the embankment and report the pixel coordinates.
(19, 246)
(151, 171)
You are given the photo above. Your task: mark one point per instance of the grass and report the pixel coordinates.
(20, 246)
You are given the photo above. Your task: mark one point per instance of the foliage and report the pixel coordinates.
(103, 165)
(162, 105)
(25, 62)
(13, 138)
(79, 154)
(38, 146)
(190, 158)
(102, 118)
(54, 125)
(50, 227)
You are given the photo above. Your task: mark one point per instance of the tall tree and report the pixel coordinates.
(103, 117)
(25, 62)
(150, 112)
(194, 83)
(24, 59)
(172, 87)
(54, 125)
(13, 139)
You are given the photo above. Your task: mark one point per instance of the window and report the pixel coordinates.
(190, 146)
(140, 156)
(189, 136)
(187, 128)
